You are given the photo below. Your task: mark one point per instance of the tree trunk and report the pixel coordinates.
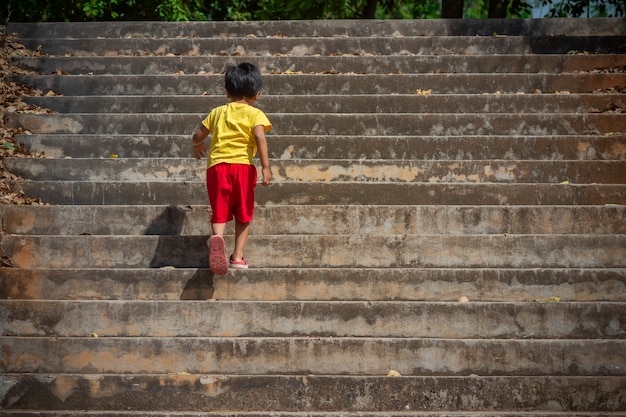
(452, 9)
(370, 9)
(497, 9)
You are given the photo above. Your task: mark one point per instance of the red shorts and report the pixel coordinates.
(231, 192)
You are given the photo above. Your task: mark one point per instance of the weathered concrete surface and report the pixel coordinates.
(338, 251)
(379, 80)
(408, 147)
(278, 220)
(313, 355)
(318, 284)
(317, 28)
(330, 170)
(364, 103)
(341, 193)
(387, 124)
(205, 70)
(328, 46)
(371, 319)
(318, 394)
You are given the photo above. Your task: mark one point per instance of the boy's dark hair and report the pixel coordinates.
(243, 80)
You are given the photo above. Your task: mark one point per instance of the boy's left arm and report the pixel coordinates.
(261, 143)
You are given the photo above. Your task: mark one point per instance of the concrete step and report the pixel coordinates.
(326, 46)
(463, 147)
(367, 103)
(498, 285)
(369, 319)
(314, 355)
(321, 170)
(140, 78)
(325, 28)
(319, 395)
(312, 219)
(387, 124)
(231, 413)
(315, 251)
(335, 193)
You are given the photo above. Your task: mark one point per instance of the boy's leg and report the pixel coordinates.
(218, 228)
(217, 247)
(241, 237)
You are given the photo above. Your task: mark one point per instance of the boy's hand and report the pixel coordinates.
(267, 176)
(200, 150)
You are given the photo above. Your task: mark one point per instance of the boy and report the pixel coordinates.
(237, 131)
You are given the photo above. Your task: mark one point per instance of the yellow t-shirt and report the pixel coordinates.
(231, 127)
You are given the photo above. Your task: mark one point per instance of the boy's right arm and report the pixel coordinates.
(199, 147)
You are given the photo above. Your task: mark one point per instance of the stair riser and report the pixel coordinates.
(255, 47)
(610, 147)
(315, 319)
(333, 124)
(343, 220)
(133, 170)
(345, 193)
(312, 355)
(411, 103)
(316, 394)
(322, 251)
(319, 284)
(369, 80)
(324, 28)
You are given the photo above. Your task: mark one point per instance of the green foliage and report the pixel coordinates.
(99, 9)
(585, 8)
(182, 10)
(476, 9)
(519, 8)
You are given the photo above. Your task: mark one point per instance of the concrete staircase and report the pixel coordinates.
(448, 208)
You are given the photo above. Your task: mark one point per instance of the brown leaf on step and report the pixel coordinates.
(11, 191)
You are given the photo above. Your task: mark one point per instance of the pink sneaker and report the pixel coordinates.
(217, 255)
(238, 264)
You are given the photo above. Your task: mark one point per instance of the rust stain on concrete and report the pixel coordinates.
(63, 387)
(25, 256)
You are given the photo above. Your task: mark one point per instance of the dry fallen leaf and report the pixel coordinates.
(549, 300)
(10, 98)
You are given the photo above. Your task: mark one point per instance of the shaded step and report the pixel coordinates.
(326, 46)
(230, 413)
(318, 284)
(325, 28)
(294, 219)
(409, 103)
(320, 170)
(315, 319)
(464, 147)
(344, 193)
(443, 124)
(319, 394)
(314, 251)
(313, 355)
(363, 82)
